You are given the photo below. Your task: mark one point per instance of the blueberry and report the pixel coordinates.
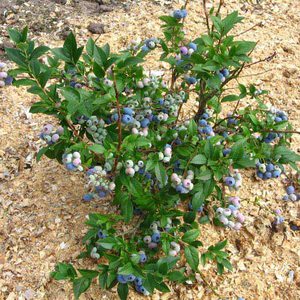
(129, 278)
(184, 13)
(290, 190)
(225, 72)
(268, 175)
(143, 258)
(226, 151)
(278, 119)
(221, 77)
(191, 80)
(260, 175)
(70, 167)
(276, 174)
(270, 167)
(205, 116)
(145, 122)
(128, 111)
(121, 279)
(202, 123)
(8, 80)
(192, 46)
(177, 14)
(126, 119)
(229, 181)
(155, 237)
(138, 281)
(285, 197)
(145, 48)
(184, 50)
(101, 235)
(88, 197)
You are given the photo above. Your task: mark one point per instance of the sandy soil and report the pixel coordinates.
(41, 216)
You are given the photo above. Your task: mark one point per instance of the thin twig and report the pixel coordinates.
(257, 24)
(119, 121)
(268, 58)
(206, 16)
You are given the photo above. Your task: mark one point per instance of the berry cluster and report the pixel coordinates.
(4, 78)
(291, 194)
(272, 137)
(150, 44)
(174, 249)
(232, 119)
(278, 115)
(204, 128)
(72, 161)
(278, 218)
(132, 168)
(51, 136)
(227, 215)
(166, 155)
(138, 283)
(234, 181)
(223, 74)
(95, 127)
(179, 14)
(186, 52)
(99, 180)
(181, 184)
(153, 240)
(267, 171)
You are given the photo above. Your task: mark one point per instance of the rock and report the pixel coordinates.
(97, 28)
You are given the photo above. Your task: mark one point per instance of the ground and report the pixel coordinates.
(42, 215)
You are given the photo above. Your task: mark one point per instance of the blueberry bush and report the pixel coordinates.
(125, 128)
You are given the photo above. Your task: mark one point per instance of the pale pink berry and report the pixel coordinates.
(240, 217)
(3, 75)
(173, 253)
(2, 83)
(186, 183)
(76, 162)
(168, 152)
(235, 201)
(135, 131)
(237, 226)
(130, 171)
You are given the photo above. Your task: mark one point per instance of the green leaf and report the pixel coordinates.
(99, 149)
(108, 243)
(197, 200)
(63, 271)
(176, 276)
(230, 98)
(205, 175)
(127, 209)
(161, 174)
(80, 285)
(191, 235)
(229, 22)
(123, 291)
(199, 159)
(192, 257)
(16, 56)
(88, 273)
(126, 269)
(38, 52)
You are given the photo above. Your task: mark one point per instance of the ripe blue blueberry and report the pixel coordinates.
(128, 111)
(138, 281)
(88, 197)
(178, 14)
(290, 190)
(143, 258)
(155, 237)
(229, 181)
(127, 119)
(70, 167)
(270, 167)
(145, 122)
(129, 278)
(276, 174)
(202, 122)
(192, 46)
(225, 72)
(121, 278)
(191, 80)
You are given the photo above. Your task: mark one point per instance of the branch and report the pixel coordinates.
(206, 16)
(119, 121)
(257, 24)
(268, 58)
